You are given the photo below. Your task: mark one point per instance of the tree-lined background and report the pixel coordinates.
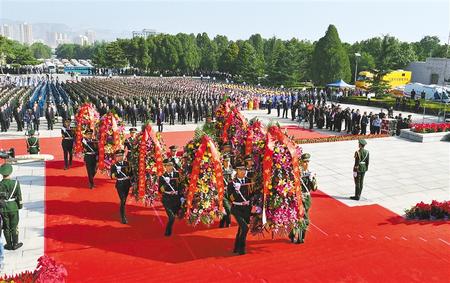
(270, 61)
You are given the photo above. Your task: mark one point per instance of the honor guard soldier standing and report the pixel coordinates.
(121, 171)
(129, 142)
(171, 194)
(360, 168)
(32, 143)
(90, 156)
(308, 183)
(174, 158)
(239, 192)
(11, 197)
(228, 176)
(67, 143)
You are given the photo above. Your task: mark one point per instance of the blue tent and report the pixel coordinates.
(340, 83)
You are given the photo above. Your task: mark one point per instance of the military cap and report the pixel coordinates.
(248, 158)
(226, 144)
(362, 142)
(6, 169)
(133, 130)
(226, 157)
(120, 152)
(89, 131)
(240, 165)
(167, 161)
(173, 147)
(305, 156)
(67, 120)
(31, 132)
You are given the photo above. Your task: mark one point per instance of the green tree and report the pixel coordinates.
(189, 53)
(40, 50)
(394, 54)
(114, 56)
(281, 67)
(330, 61)
(378, 85)
(65, 51)
(99, 55)
(142, 56)
(426, 47)
(227, 61)
(247, 63)
(208, 53)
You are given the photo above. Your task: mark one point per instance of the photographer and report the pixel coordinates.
(11, 198)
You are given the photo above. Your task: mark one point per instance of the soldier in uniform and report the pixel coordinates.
(174, 158)
(226, 150)
(360, 168)
(239, 192)
(308, 183)
(249, 166)
(11, 198)
(121, 171)
(170, 188)
(227, 176)
(32, 143)
(90, 146)
(129, 142)
(68, 135)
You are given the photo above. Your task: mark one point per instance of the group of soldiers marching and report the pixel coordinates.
(239, 179)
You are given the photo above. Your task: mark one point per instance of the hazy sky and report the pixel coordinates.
(409, 20)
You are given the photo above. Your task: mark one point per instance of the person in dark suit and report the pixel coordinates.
(239, 192)
(50, 117)
(90, 146)
(122, 172)
(68, 135)
(171, 191)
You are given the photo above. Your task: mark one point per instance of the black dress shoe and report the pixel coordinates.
(241, 252)
(8, 247)
(124, 220)
(354, 198)
(17, 246)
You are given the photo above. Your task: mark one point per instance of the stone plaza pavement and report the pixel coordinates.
(31, 225)
(401, 173)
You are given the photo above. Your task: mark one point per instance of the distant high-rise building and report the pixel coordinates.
(6, 31)
(81, 40)
(144, 33)
(26, 33)
(90, 34)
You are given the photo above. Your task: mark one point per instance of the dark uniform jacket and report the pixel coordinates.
(33, 145)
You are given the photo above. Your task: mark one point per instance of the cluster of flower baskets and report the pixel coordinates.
(111, 138)
(431, 127)
(47, 270)
(86, 118)
(435, 210)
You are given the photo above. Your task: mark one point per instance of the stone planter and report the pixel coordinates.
(426, 137)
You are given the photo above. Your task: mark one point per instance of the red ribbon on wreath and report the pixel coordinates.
(234, 113)
(274, 134)
(205, 146)
(148, 134)
(85, 111)
(108, 121)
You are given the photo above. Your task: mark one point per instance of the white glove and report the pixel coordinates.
(237, 186)
(182, 200)
(167, 179)
(119, 168)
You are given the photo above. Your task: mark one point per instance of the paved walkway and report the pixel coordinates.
(31, 226)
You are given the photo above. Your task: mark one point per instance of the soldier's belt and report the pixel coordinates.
(90, 153)
(68, 138)
(11, 200)
(244, 203)
(123, 179)
(33, 145)
(362, 162)
(170, 193)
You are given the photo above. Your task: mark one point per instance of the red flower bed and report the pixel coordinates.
(431, 127)
(340, 138)
(435, 210)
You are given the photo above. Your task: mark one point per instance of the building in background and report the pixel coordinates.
(90, 34)
(432, 71)
(26, 33)
(81, 40)
(144, 33)
(6, 31)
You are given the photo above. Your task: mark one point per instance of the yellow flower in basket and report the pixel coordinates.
(206, 204)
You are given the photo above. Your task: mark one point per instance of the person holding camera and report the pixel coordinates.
(11, 202)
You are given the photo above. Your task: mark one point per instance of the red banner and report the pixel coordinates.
(148, 135)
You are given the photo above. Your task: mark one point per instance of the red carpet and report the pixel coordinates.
(361, 244)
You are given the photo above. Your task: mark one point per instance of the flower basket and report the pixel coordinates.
(111, 138)
(148, 153)
(235, 131)
(283, 208)
(430, 127)
(86, 118)
(205, 190)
